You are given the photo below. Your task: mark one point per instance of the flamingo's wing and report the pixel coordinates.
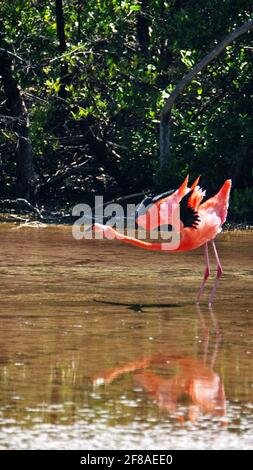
(188, 215)
(143, 207)
(147, 202)
(218, 204)
(163, 195)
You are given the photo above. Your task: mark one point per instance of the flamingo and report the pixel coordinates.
(189, 377)
(200, 222)
(192, 379)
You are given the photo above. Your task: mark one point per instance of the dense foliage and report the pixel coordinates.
(95, 85)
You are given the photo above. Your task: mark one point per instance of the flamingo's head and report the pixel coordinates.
(106, 230)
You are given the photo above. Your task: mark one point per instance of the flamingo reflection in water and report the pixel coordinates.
(194, 382)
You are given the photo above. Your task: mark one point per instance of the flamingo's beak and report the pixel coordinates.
(97, 228)
(90, 228)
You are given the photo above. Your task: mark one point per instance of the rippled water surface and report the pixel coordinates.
(102, 346)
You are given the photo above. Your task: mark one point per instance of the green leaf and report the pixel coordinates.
(135, 7)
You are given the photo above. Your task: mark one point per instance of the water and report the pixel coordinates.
(102, 346)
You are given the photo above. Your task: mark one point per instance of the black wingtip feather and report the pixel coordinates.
(188, 215)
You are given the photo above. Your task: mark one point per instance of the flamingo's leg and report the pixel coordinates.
(218, 274)
(218, 338)
(206, 273)
(205, 334)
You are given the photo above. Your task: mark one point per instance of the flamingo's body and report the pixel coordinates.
(193, 380)
(190, 379)
(200, 222)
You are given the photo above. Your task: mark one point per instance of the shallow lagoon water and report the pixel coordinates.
(102, 346)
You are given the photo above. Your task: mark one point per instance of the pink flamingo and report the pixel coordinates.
(200, 222)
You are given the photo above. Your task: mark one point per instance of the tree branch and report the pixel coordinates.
(62, 47)
(69, 172)
(165, 113)
(16, 104)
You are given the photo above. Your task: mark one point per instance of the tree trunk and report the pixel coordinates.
(79, 8)
(166, 111)
(97, 148)
(25, 171)
(62, 47)
(164, 139)
(142, 25)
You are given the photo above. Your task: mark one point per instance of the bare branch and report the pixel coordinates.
(205, 61)
(165, 113)
(69, 172)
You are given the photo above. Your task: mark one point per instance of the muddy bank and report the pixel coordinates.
(21, 211)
